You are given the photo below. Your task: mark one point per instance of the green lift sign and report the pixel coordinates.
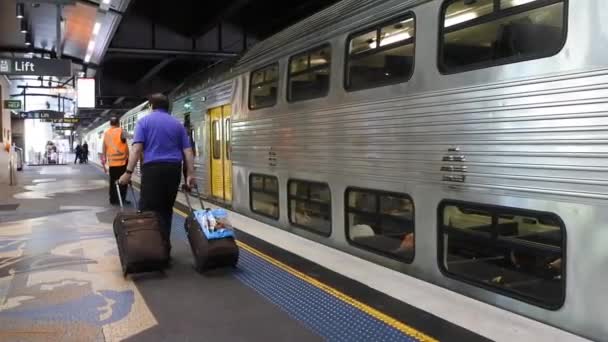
(12, 104)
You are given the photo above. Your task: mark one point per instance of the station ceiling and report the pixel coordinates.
(140, 46)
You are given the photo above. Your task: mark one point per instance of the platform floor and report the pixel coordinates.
(60, 280)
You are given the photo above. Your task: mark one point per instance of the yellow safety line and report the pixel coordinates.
(390, 321)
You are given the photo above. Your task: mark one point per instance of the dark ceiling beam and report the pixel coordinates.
(154, 70)
(228, 12)
(135, 51)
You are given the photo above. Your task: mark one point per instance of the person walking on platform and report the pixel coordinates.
(165, 144)
(78, 152)
(115, 153)
(85, 152)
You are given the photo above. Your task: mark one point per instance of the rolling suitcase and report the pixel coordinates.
(209, 251)
(142, 246)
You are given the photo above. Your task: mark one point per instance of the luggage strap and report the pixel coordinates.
(122, 208)
(187, 191)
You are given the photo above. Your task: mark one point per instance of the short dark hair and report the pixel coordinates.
(159, 101)
(114, 121)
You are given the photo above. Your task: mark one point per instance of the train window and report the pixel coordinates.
(382, 55)
(264, 86)
(484, 33)
(264, 194)
(381, 222)
(516, 252)
(227, 131)
(217, 139)
(309, 74)
(310, 206)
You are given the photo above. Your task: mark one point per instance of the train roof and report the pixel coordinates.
(342, 17)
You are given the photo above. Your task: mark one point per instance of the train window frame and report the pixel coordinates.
(488, 18)
(215, 130)
(309, 70)
(251, 190)
(308, 200)
(379, 193)
(278, 81)
(378, 28)
(496, 289)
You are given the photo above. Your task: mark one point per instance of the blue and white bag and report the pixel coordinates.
(209, 220)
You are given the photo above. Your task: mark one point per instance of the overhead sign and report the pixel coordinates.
(12, 104)
(86, 92)
(39, 114)
(63, 128)
(62, 121)
(36, 67)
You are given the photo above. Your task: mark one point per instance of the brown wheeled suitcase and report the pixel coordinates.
(142, 246)
(208, 253)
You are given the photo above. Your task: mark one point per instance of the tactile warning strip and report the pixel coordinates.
(326, 311)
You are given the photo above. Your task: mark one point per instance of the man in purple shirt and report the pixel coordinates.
(164, 143)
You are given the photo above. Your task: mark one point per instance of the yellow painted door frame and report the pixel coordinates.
(220, 153)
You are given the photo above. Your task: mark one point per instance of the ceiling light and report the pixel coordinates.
(20, 11)
(520, 2)
(87, 59)
(91, 45)
(23, 26)
(460, 19)
(107, 2)
(28, 39)
(96, 28)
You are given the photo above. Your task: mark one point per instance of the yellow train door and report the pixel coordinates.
(221, 165)
(227, 111)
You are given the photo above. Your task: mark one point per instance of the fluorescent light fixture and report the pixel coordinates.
(86, 92)
(96, 28)
(107, 2)
(520, 2)
(390, 39)
(91, 45)
(20, 11)
(460, 19)
(28, 39)
(87, 59)
(23, 26)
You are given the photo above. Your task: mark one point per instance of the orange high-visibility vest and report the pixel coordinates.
(116, 149)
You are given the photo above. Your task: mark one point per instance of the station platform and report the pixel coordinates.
(61, 280)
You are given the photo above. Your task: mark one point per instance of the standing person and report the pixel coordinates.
(115, 153)
(78, 152)
(165, 144)
(85, 152)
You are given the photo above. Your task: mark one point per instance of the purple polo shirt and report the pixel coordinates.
(164, 138)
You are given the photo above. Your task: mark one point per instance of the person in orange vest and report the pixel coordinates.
(115, 154)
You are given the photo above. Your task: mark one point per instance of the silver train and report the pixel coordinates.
(460, 142)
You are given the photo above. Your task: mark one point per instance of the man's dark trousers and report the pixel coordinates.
(159, 185)
(115, 173)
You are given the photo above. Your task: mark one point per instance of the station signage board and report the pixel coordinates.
(36, 67)
(63, 128)
(62, 121)
(39, 114)
(12, 104)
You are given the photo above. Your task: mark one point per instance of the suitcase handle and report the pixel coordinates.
(187, 191)
(120, 195)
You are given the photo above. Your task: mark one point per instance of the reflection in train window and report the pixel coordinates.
(309, 74)
(381, 222)
(263, 87)
(484, 33)
(310, 206)
(517, 252)
(227, 131)
(382, 55)
(217, 139)
(264, 193)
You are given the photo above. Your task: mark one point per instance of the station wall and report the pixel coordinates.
(5, 127)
